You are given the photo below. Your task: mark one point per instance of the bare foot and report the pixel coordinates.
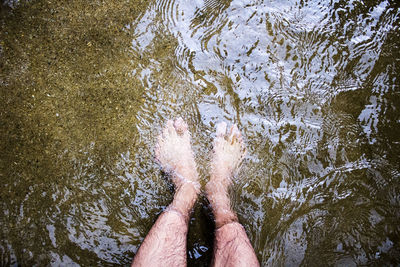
(174, 153)
(231, 245)
(165, 244)
(229, 151)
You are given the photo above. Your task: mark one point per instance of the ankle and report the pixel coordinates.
(217, 194)
(184, 198)
(184, 177)
(222, 210)
(218, 185)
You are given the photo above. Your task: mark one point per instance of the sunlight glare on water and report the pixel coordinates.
(312, 85)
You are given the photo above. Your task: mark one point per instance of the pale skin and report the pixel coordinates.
(165, 244)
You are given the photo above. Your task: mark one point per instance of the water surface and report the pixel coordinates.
(87, 86)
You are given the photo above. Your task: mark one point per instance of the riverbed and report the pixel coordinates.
(86, 86)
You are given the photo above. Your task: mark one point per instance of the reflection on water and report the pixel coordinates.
(87, 86)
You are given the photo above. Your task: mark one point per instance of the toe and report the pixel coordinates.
(221, 129)
(169, 128)
(157, 150)
(233, 134)
(180, 126)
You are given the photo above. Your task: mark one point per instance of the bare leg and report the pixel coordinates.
(165, 244)
(231, 246)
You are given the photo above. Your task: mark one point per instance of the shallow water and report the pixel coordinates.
(313, 85)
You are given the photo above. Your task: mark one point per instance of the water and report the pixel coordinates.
(87, 86)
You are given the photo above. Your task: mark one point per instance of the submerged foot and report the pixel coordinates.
(174, 153)
(228, 152)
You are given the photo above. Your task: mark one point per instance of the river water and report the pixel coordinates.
(87, 85)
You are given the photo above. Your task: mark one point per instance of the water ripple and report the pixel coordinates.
(312, 85)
